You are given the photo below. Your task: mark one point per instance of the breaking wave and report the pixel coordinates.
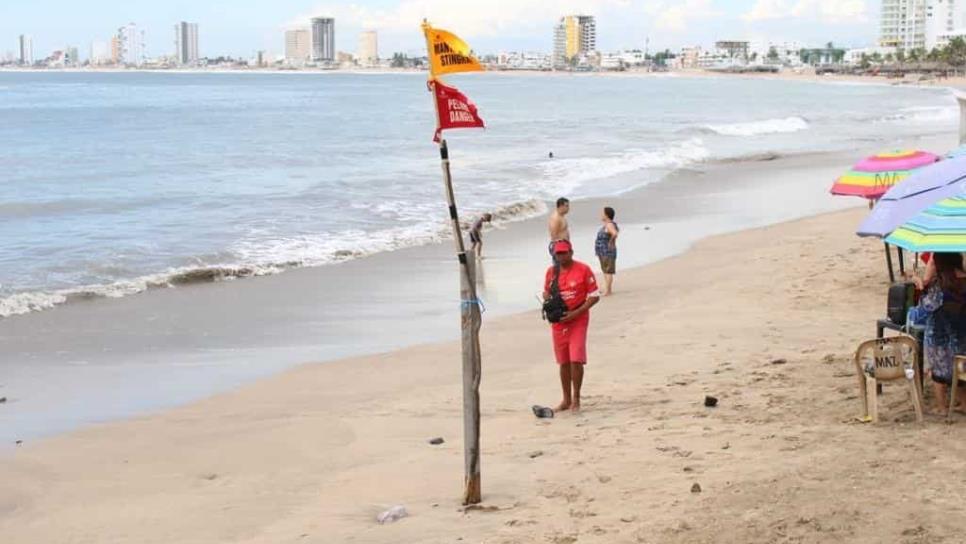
(572, 173)
(266, 257)
(758, 128)
(925, 114)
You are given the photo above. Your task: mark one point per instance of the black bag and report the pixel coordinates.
(902, 296)
(554, 308)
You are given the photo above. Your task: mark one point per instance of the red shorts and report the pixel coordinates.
(570, 340)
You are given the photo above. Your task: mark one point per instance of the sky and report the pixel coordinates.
(241, 27)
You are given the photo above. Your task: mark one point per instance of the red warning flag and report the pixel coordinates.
(454, 109)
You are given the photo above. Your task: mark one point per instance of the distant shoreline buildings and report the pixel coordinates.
(908, 30)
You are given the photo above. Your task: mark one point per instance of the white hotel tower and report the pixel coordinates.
(921, 24)
(903, 24)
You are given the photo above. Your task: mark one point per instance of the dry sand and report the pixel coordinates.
(315, 454)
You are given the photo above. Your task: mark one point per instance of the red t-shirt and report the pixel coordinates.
(576, 284)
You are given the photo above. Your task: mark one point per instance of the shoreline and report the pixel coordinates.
(507, 215)
(195, 340)
(115, 359)
(957, 82)
(314, 453)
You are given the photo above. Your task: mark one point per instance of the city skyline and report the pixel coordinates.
(496, 26)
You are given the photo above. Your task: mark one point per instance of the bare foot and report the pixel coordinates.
(575, 407)
(565, 405)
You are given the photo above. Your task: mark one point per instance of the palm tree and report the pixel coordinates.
(956, 51)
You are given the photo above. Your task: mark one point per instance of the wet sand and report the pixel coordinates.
(765, 320)
(105, 359)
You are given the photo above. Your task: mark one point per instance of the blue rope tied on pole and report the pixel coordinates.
(476, 301)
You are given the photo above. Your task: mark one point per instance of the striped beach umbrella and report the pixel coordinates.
(874, 176)
(940, 227)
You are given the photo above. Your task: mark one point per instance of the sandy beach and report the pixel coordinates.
(183, 414)
(105, 359)
(764, 319)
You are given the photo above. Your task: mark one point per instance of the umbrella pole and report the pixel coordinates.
(892, 274)
(902, 262)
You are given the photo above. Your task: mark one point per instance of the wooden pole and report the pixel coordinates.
(470, 323)
(892, 274)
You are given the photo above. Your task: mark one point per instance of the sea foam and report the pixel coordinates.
(265, 257)
(758, 128)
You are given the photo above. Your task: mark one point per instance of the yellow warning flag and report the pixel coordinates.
(448, 54)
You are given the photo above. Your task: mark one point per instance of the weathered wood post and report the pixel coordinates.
(470, 323)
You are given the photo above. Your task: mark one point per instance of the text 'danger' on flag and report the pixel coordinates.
(454, 108)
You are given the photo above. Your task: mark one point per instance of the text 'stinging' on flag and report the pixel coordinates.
(448, 54)
(455, 110)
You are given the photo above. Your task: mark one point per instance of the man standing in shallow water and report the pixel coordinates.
(578, 288)
(558, 227)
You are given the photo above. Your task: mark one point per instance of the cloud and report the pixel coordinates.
(824, 11)
(473, 19)
(675, 16)
(764, 10)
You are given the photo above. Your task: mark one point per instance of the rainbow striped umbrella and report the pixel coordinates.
(940, 227)
(874, 176)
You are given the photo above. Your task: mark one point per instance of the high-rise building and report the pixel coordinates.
(578, 34)
(944, 18)
(100, 53)
(26, 50)
(323, 39)
(903, 24)
(130, 45)
(368, 54)
(115, 50)
(559, 45)
(186, 43)
(298, 46)
(71, 56)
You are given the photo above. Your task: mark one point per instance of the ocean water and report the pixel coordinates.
(114, 183)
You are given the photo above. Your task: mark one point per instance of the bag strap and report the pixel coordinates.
(555, 282)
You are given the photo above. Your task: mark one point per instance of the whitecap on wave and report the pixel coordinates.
(758, 128)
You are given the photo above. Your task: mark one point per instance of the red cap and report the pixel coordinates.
(562, 246)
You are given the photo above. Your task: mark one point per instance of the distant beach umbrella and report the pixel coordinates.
(929, 185)
(874, 176)
(939, 228)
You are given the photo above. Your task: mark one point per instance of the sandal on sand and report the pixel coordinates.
(542, 412)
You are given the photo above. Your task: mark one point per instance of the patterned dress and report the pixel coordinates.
(945, 330)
